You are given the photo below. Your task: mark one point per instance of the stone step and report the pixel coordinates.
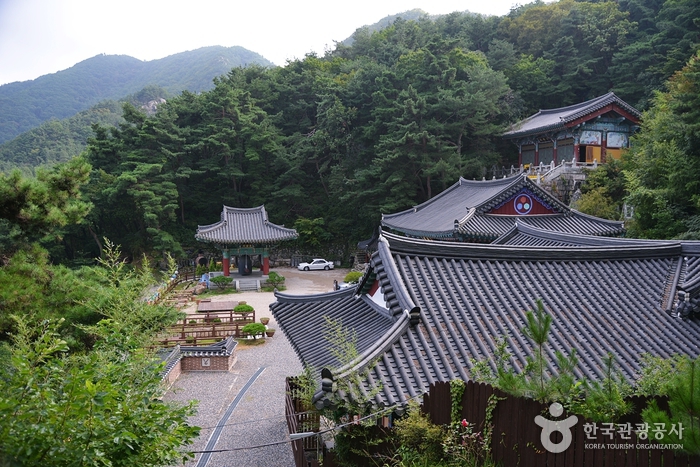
(250, 284)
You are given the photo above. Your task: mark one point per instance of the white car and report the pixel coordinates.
(317, 263)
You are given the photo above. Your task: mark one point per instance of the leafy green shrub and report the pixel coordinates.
(353, 277)
(243, 308)
(417, 434)
(221, 281)
(254, 329)
(275, 279)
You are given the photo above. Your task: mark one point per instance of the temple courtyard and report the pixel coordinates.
(241, 412)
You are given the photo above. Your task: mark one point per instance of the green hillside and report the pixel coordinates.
(57, 141)
(25, 105)
(410, 15)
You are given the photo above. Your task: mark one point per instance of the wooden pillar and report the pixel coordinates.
(226, 262)
(554, 153)
(520, 154)
(537, 154)
(265, 265)
(604, 147)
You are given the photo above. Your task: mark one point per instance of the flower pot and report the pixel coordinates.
(265, 320)
(270, 332)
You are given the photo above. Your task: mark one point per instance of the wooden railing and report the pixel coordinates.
(206, 327)
(300, 420)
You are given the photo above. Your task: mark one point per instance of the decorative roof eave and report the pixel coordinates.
(579, 113)
(570, 123)
(480, 251)
(295, 313)
(255, 228)
(418, 207)
(422, 233)
(617, 226)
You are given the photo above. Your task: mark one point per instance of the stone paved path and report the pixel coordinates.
(258, 418)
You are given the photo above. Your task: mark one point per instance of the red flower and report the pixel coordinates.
(465, 423)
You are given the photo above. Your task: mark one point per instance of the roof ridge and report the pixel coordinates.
(536, 253)
(394, 276)
(323, 296)
(599, 219)
(447, 191)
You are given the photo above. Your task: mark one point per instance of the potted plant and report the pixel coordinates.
(253, 329)
(269, 332)
(265, 320)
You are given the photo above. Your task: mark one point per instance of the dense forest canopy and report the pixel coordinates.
(371, 128)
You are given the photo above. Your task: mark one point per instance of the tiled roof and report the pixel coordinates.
(522, 233)
(437, 216)
(223, 348)
(244, 226)
(297, 315)
(492, 226)
(464, 208)
(604, 295)
(551, 119)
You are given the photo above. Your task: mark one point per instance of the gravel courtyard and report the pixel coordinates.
(258, 417)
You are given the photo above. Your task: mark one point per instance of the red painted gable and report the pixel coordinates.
(524, 203)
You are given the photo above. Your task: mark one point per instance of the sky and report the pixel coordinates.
(39, 37)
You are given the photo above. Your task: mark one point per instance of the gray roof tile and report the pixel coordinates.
(241, 226)
(604, 295)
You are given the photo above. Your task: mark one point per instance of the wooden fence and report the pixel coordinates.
(516, 437)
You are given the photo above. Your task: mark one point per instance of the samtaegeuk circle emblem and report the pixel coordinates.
(522, 204)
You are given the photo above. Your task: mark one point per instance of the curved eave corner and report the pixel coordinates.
(408, 316)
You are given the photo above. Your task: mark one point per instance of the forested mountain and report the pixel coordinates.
(27, 104)
(410, 15)
(330, 143)
(57, 141)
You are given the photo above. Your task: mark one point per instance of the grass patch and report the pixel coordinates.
(215, 292)
(250, 342)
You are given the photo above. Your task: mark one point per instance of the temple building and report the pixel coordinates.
(427, 311)
(482, 211)
(243, 233)
(589, 132)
